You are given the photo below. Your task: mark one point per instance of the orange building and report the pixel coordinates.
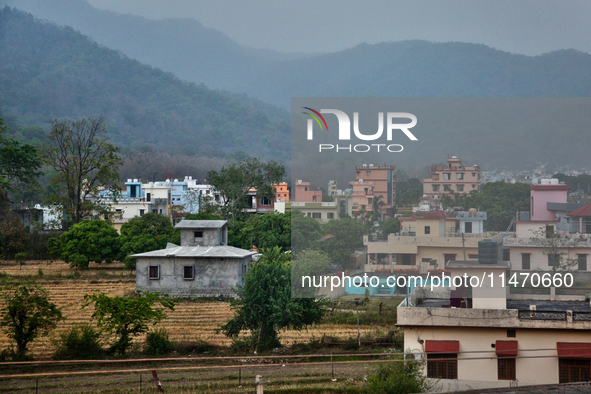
(281, 192)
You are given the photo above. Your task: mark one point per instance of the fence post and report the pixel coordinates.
(37, 386)
(140, 383)
(258, 380)
(239, 376)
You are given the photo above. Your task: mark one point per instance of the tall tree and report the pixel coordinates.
(19, 165)
(237, 179)
(85, 163)
(265, 304)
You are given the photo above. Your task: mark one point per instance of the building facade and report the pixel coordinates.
(454, 177)
(374, 185)
(202, 266)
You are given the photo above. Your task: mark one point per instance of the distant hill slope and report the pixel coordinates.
(49, 71)
(424, 69)
(181, 46)
(401, 69)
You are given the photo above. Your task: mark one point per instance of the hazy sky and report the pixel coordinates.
(520, 26)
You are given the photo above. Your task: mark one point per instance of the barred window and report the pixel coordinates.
(506, 367)
(442, 365)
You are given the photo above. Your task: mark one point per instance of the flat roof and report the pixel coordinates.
(476, 264)
(201, 224)
(199, 251)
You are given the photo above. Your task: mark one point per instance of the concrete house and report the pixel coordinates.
(203, 266)
(479, 335)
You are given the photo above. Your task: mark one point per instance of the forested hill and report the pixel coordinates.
(425, 69)
(48, 71)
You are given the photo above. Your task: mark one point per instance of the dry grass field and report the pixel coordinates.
(191, 321)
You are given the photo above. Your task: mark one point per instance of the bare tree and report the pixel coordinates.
(85, 163)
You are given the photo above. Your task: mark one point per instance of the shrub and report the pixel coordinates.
(81, 342)
(398, 378)
(157, 343)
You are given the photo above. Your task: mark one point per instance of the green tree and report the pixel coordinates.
(85, 163)
(305, 232)
(235, 180)
(265, 306)
(126, 317)
(500, 200)
(13, 236)
(146, 233)
(399, 378)
(27, 314)
(390, 226)
(264, 232)
(19, 166)
(90, 240)
(341, 238)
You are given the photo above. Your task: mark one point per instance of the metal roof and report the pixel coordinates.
(201, 224)
(199, 251)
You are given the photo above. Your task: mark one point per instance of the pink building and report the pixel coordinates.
(374, 183)
(541, 195)
(303, 193)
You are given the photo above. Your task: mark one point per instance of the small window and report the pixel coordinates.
(188, 272)
(313, 198)
(317, 215)
(549, 231)
(525, 261)
(160, 211)
(435, 188)
(367, 173)
(582, 259)
(427, 230)
(148, 196)
(198, 234)
(506, 255)
(446, 188)
(154, 211)
(446, 176)
(460, 188)
(473, 256)
(154, 272)
(506, 368)
(449, 257)
(141, 212)
(406, 259)
(309, 214)
(442, 366)
(460, 176)
(511, 334)
(265, 201)
(330, 215)
(553, 259)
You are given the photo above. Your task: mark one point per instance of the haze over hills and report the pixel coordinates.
(402, 69)
(49, 71)
(182, 46)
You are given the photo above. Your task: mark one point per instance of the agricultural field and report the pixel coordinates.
(191, 321)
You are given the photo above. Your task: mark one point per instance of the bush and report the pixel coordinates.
(157, 343)
(81, 342)
(398, 378)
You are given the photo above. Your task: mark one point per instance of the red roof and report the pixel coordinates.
(442, 346)
(430, 215)
(549, 187)
(506, 348)
(585, 210)
(574, 349)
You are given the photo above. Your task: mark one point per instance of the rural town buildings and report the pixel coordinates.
(374, 185)
(454, 177)
(427, 240)
(484, 336)
(203, 265)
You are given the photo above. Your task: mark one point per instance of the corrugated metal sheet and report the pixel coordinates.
(506, 348)
(432, 346)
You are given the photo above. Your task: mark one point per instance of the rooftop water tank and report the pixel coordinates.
(487, 251)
